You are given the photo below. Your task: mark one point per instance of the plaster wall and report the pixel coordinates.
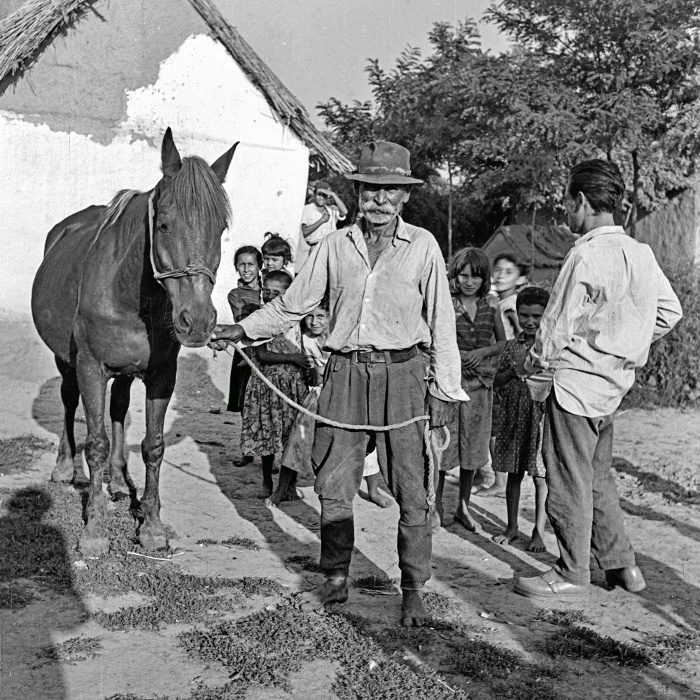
(673, 232)
(49, 172)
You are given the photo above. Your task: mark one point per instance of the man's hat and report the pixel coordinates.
(384, 163)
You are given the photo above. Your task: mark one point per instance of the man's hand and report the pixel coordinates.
(230, 333)
(440, 411)
(217, 345)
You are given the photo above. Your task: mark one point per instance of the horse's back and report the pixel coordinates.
(55, 289)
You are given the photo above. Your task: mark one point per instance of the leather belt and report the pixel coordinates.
(376, 356)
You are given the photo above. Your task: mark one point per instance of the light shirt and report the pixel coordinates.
(610, 302)
(311, 214)
(404, 301)
(506, 305)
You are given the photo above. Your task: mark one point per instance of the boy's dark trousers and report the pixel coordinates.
(582, 501)
(373, 393)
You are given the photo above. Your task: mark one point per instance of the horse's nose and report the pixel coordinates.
(184, 322)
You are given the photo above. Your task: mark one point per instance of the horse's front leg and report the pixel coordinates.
(92, 380)
(120, 485)
(159, 390)
(64, 471)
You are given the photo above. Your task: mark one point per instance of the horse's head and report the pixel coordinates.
(190, 212)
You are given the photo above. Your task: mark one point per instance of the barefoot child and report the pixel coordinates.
(519, 440)
(296, 460)
(243, 300)
(480, 338)
(508, 277)
(267, 418)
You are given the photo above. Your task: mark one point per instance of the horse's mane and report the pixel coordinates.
(198, 195)
(115, 209)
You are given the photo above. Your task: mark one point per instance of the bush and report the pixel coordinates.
(671, 377)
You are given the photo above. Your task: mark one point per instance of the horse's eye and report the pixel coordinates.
(163, 227)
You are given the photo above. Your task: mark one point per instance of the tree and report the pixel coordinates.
(634, 66)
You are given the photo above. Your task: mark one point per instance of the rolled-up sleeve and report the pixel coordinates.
(303, 296)
(668, 308)
(446, 367)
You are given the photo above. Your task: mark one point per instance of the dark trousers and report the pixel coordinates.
(582, 502)
(373, 394)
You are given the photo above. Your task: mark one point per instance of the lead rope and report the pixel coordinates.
(433, 448)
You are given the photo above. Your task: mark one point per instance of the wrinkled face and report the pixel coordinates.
(468, 284)
(318, 321)
(271, 289)
(273, 262)
(247, 268)
(381, 204)
(530, 317)
(505, 276)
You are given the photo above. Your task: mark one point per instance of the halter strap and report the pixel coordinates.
(188, 271)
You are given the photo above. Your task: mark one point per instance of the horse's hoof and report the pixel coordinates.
(62, 473)
(153, 541)
(118, 491)
(94, 546)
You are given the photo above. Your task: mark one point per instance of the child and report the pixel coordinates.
(480, 338)
(243, 300)
(519, 439)
(276, 253)
(297, 453)
(507, 278)
(267, 418)
(507, 274)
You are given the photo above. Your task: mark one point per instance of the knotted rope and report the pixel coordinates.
(433, 448)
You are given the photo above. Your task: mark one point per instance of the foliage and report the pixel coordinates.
(494, 136)
(671, 376)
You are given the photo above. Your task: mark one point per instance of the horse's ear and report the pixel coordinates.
(170, 158)
(221, 164)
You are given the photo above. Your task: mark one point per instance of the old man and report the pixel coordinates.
(389, 302)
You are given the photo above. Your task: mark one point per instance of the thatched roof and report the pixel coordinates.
(36, 21)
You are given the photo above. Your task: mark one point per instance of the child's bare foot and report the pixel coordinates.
(242, 461)
(266, 490)
(375, 495)
(332, 591)
(291, 494)
(413, 612)
(509, 535)
(435, 520)
(536, 543)
(465, 520)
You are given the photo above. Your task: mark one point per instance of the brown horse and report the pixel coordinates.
(119, 290)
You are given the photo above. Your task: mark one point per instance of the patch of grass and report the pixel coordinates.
(267, 647)
(75, 649)
(234, 541)
(436, 604)
(242, 542)
(583, 643)
(13, 597)
(667, 649)
(17, 455)
(565, 618)
(305, 562)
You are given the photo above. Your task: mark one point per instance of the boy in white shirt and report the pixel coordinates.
(321, 216)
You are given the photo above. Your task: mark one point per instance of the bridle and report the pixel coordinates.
(188, 271)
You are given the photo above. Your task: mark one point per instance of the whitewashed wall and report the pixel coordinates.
(208, 101)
